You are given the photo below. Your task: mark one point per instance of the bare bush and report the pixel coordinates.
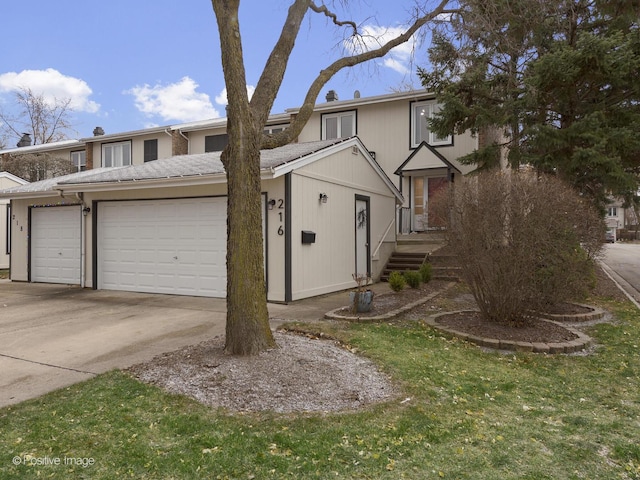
(524, 242)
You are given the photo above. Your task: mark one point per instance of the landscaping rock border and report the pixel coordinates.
(580, 343)
(334, 315)
(595, 314)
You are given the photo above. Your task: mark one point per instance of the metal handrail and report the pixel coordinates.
(375, 252)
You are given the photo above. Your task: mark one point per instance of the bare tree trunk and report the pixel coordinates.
(247, 329)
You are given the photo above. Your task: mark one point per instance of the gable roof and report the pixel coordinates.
(186, 170)
(425, 157)
(45, 147)
(13, 178)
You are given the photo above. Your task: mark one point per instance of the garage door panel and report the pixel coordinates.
(55, 244)
(164, 246)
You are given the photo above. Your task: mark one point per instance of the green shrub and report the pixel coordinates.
(425, 272)
(412, 278)
(396, 281)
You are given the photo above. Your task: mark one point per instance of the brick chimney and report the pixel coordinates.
(332, 96)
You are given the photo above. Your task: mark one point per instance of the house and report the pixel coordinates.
(361, 171)
(7, 180)
(160, 227)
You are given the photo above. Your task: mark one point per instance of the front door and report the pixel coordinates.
(424, 191)
(362, 229)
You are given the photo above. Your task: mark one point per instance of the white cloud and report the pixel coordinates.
(373, 36)
(177, 101)
(221, 99)
(52, 85)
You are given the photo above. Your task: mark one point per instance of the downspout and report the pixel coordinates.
(83, 249)
(187, 139)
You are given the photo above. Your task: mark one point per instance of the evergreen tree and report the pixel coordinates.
(557, 79)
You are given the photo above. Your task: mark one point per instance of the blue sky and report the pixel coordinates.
(127, 66)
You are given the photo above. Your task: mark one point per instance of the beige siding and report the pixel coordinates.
(327, 265)
(275, 219)
(137, 147)
(196, 138)
(385, 128)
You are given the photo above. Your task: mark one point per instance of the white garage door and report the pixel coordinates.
(55, 244)
(163, 246)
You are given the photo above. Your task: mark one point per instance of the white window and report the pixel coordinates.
(612, 212)
(79, 160)
(421, 113)
(338, 125)
(116, 154)
(272, 129)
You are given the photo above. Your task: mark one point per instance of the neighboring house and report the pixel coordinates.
(160, 227)
(7, 180)
(615, 218)
(374, 159)
(72, 150)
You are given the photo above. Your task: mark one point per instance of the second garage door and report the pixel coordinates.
(55, 244)
(163, 246)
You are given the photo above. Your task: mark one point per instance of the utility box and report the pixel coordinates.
(308, 236)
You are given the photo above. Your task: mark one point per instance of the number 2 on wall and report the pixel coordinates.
(280, 216)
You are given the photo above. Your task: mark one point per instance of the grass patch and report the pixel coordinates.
(471, 414)
(4, 273)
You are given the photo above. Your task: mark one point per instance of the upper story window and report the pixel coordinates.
(271, 129)
(612, 212)
(116, 154)
(421, 112)
(215, 143)
(79, 160)
(150, 150)
(338, 125)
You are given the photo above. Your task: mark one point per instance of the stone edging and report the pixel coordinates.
(571, 346)
(333, 315)
(595, 314)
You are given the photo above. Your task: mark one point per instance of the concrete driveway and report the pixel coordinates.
(52, 336)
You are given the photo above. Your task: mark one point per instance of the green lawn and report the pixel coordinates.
(464, 413)
(4, 273)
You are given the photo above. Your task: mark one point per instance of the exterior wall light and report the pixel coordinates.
(85, 211)
(323, 198)
(271, 203)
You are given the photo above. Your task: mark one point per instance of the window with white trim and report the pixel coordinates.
(612, 212)
(272, 129)
(338, 125)
(79, 160)
(421, 113)
(116, 154)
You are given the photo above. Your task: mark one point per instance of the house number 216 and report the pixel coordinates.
(280, 216)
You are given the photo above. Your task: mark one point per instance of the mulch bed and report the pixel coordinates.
(536, 330)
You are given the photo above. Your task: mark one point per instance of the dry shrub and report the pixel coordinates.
(524, 242)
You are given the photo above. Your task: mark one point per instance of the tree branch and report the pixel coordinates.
(325, 75)
(334, 18)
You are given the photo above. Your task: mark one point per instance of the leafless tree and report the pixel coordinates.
(44, 120)
(247, 329)
(35, 167)
(524, 241)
